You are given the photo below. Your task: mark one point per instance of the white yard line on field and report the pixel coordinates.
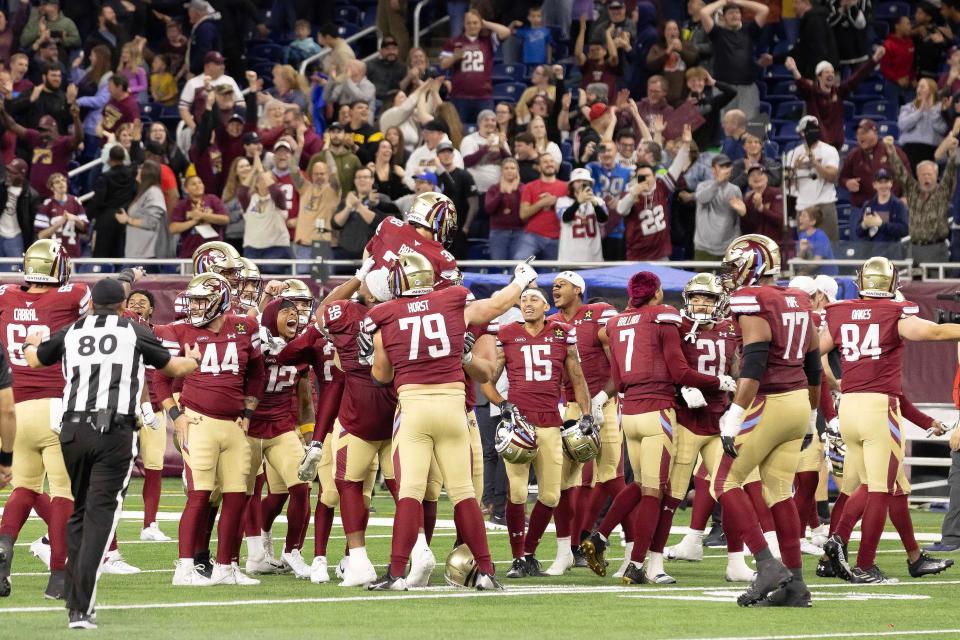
(841, 634)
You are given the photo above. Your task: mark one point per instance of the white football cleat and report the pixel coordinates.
(153, 534)
(738, 571)
(263, 564)
(318, 570)
(186, 575)
(690, 548)
(818, 536)
(231, 574)
(422, 563)
(809, 548)
(360, 572)
(115, 564)
(627, 552)
(294, 561)
(40, 548)
(341, 567)
(661, 578)
(563, 563)
(268, 548)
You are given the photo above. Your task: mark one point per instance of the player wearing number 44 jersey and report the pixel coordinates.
(43, 305)
(870, 333)
(418, 346)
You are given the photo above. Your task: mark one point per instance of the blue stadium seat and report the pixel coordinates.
(868, 90)
(877, 110)
(508, 72)
(348, 14)
(791, 110)
(508, 91)
(891, 11)
(765, 107)
(778, 71)
(850, 130)
(844, 232)
(369, 18)
(266, 51)
(565, 169)
(784, 88)
(788, 130)
(849, 109)
(566, 150)
(888, 129)
(347, 30)
(844, 211)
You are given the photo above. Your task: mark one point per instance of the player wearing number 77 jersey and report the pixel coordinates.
(418, 345)
(870, 333)
(44, 304)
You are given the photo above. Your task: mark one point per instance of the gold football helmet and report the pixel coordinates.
(878, 278)
(46, 262)
(301, 296)
(181, 306)
(461, 569)
(749, 258)
(208, 296)
(516, 440)
(579, 446)
(251, 284)
(436, 212)
(220, 258)
(705, 284)
(411, 275)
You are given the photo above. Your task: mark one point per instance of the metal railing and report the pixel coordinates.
(417, 31)
(84, 168)
(941, 269)
(946, 413)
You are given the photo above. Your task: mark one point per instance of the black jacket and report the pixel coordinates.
(113, 190)
(815, 43)
(27, 205)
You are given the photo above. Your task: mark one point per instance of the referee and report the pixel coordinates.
(103, 361)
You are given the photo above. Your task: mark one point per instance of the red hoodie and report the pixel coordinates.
(897, 62)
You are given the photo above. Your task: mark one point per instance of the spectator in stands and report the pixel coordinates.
(527, 157)
(146, 215)
(386, 71)
(609, 180)
(173, 157)
(47, 55)
(235, 198)
(61, 216)
(335, 63)
(754, 155)
(848, 20)
(353, 87)
(627, 149)
(502, 204)
(19, 64)
(319, 198)
(537, 41)
(163, 86)
(931, 38)
(470, 56)
(407, 112)
(815, 166)
(541, 143)
(897, 65)
(600, 63)
(11, 28)
(921, 123)
(812, 242)
(46, 99)
(734, 125)
(289, 86)
(864, 161)
(824, 98)
(47, 23)
(131, 66)
(204, 35)
(128, 140)
(387, 175)
(719, 207)
(422, 158)
(303, 44)
(538, 209)
(733, 43)
(670, 58)
(287, 177)
(884, 218)
(633, 49)
(709, 96)
(540, 85)
(366, 138)
(392, 24)
(113, 190)
(422, 183)
(337, 153)
(588, 139)
(815, 42)
(358, 217)
(122, 107)
(174, 46)
(51, 152)
(483, 150)
(93, 95)
(582, 214)
(417, 70)
(507, 121)
(265, 231)
(193, 96)
(19, 202)
(394, 136)
(655, 104)
(109, 33)
(457, 183)
(694, 33)
(764, 205)
(199, 217)
(928, 199)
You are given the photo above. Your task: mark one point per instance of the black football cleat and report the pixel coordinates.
(203, 564)
(927, 566)
(793, 594)
(836, 551)
(518, 569)
(579, 561)
(532, 567)
(825, 568)
(593, 549)
(55, 585)
(872, 575)
(716, 538)
(634, 575)
(6, 559)
(388, 583)
(771, 575)
(81, 620)
(488, 582)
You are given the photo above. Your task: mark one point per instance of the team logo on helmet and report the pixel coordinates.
(436, 212)
(220, 258)
(411, 275)
(208, 296)
(749, 258)
(581, 447)
(516, 439)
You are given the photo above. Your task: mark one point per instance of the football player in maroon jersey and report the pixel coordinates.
(646, 362)
(536, 354)
(773, 414)
(418, 346)
(217, 402)
(578, 507)
(43, 304)
(222, 259)
(251, 286)
(870, 333)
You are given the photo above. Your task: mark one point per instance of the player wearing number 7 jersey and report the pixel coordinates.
(418, 346)
(44, 304)
(870, 333)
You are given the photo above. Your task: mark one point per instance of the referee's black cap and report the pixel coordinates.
(108, 291)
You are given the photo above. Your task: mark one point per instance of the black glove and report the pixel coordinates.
(507, 408)
(365, 345)
(468, 340)
(586, 424)
(807, 439)
(728, 446)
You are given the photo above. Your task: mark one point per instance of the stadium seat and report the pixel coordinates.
(565, 169)
(508, 72)
(888, 129)
(784, 88)
(348, 14)
(508, 91)
(891, 11)
(849, 110)
(765, 107)
(778, 71)
(876, 110)
(566, 150)
(844, 232)
(788, 111)
(266, 51)
(868, 90)
(850, 130)
(347, 30)
(844, 211)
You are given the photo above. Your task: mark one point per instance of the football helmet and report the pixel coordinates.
(878, 278)
(411, 275)
(516, 440)
(461, 569)
(301, 296)
(749, 258)
(46, 262)
(705, 284)
(220, 258)
(214, 291)
(436, 212)
(579, 446)
(250, 274)
(181, 306)
(836, 452)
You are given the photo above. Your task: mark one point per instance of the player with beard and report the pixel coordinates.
(418, 346)
(251, 286)
(222, 259)
(580, 504)
(646, 362)
(43, 304)
(428, 227)
(218, 401)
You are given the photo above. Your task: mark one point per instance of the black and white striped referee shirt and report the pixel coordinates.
(103, 362)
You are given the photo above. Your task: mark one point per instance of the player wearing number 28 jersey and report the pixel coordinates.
(43, 305)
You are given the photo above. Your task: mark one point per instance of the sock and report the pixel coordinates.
(305, 522)
(299, 505)
(738, 509)
(539, 519)
(393, 487)
(592, 502)
(874, 517)
(837, 512)
(852, 511)
(734, 536)
(668, 506)
(755, 491)
(228, 529)
(195, 510)
(516, 514)
(703, 504)
(16, 512)
(563, 514)
(788, 532)
(41, 506)
(563, 547)
(205, 528)
(900, 517)
(823, 511)
(805, 497)
(113, 543)
(429, 519)
(322, 524)
(469, 521)
(152, 480)
(622, 505)
(359, 554)
(645, 518)
(655, 564)
(271, 507)
(254, 546)
(406, 524)
(352, 508)
(60, 511)
(252, 521)
(735, 558)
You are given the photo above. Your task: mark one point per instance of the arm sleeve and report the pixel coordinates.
(6, 376)
(570, 212)
(50, 351)
(328, 405)
(680, 371)
(295, 351)
(914, 415)
(154, 353)
(827, 409)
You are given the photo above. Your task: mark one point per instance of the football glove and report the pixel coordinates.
(364, 269)
(596, 407)
(730, 423)
(148, 417)
(833, 428)
(468, 340)
(365, 344)
(587, 425)
(727, 383)
(693, 397)
(507, 409)
(311, 461)
(523, 275)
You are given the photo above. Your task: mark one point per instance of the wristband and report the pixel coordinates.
(306, 428)
(247, 413)
(174, 412)
(6, 458)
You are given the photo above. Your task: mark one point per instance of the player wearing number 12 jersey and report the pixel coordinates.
(43, 305)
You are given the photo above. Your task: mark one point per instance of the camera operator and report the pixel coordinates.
(810, 174)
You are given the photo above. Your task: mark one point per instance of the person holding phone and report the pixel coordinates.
(581, 214)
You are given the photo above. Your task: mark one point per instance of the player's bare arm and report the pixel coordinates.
(382, 369)
(483, 362)
(483, 311)
(920, 330)
(755, 331)
(582, 393)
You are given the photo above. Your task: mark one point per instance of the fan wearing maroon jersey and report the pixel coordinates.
(646, 362)
(217, 402)
(44, 304)
(773, 414)
(418, 346)
(870, 333)
(578, 507)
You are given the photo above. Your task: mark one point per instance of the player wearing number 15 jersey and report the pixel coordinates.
(43, 305)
